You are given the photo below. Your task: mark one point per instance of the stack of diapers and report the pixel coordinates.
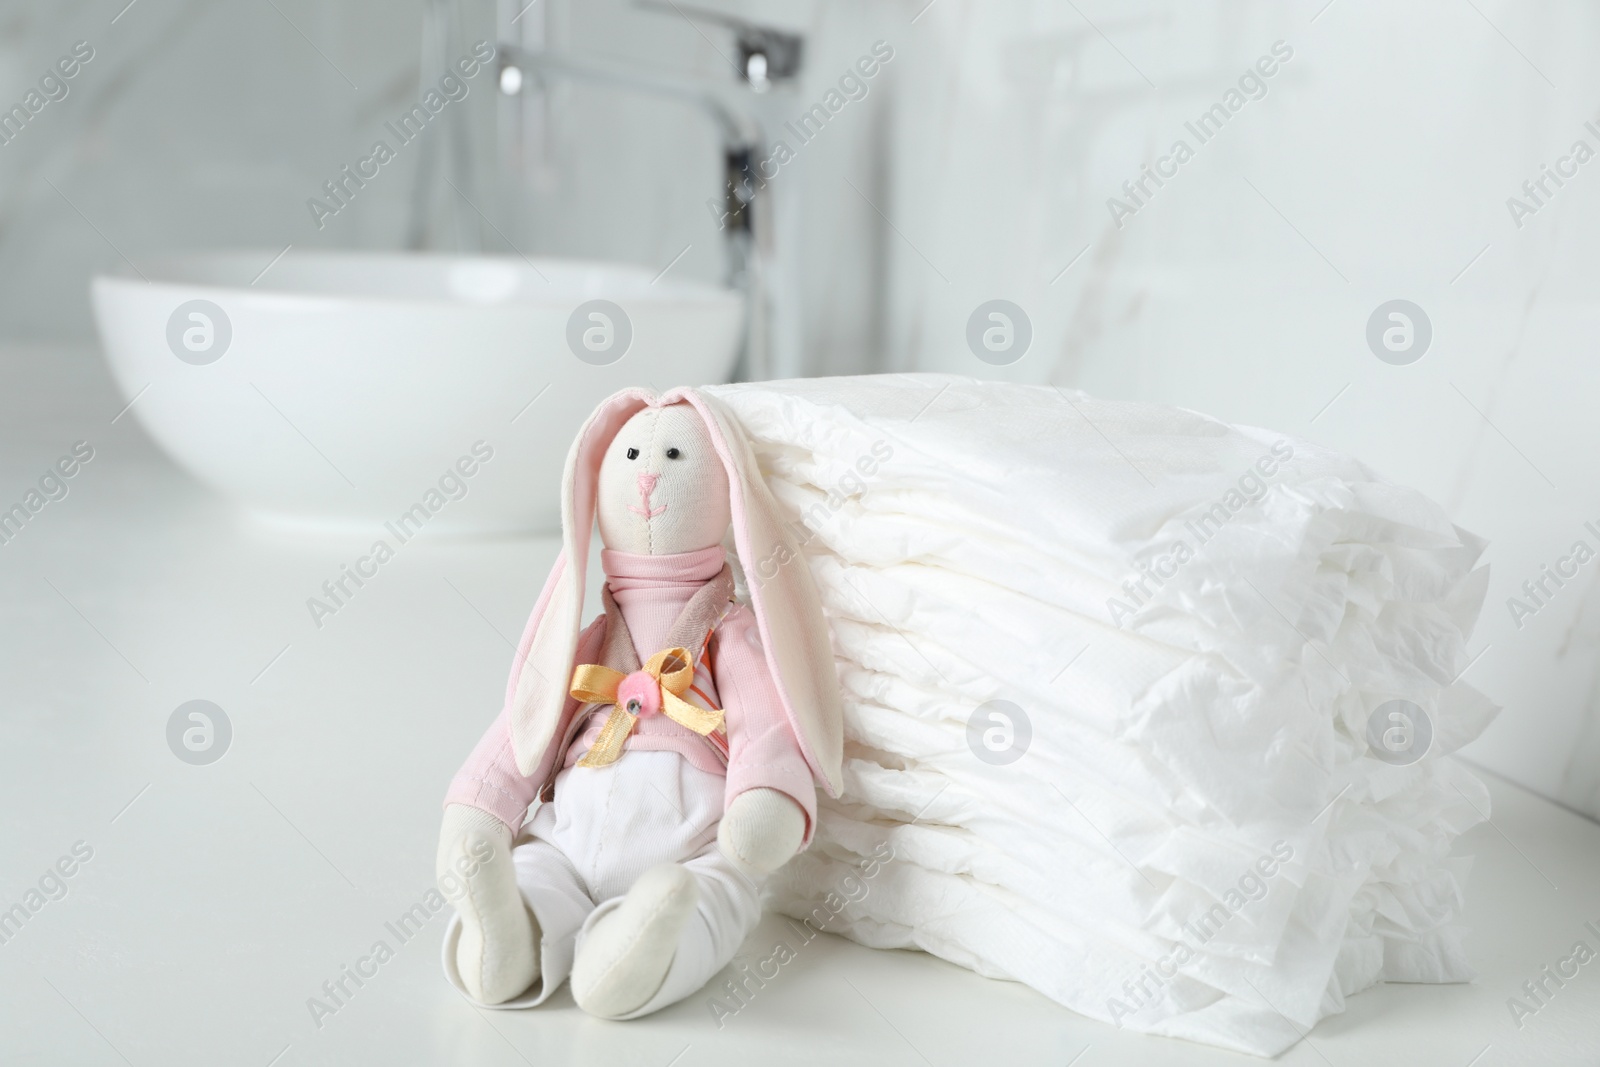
(1147, 711)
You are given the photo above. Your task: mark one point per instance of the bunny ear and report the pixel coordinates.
(787, 607)
(537, 690)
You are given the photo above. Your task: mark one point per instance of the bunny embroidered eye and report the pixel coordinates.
(633, 453)
(673, 453)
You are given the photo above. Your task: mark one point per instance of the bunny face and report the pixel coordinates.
(662, 489)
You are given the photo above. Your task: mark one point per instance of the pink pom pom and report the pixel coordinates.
(640, 694)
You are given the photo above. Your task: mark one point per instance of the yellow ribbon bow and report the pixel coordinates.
(670, 673)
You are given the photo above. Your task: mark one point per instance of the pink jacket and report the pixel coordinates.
(650, 591)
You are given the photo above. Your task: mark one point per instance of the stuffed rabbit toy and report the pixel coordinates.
(676, 743)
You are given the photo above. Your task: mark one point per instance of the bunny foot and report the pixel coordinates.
(625, 956)
(498, 959)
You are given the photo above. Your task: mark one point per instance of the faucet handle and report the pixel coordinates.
(768, 56)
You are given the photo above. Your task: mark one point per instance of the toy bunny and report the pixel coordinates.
(676, 742)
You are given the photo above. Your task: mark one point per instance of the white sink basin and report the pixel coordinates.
(340, 390)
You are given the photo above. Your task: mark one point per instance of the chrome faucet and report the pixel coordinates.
(767, 58)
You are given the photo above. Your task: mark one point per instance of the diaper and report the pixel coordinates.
(1119, 686)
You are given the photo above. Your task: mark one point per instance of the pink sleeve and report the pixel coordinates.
(490, 780)
(762, 749)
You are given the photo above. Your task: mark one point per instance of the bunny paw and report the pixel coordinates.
(626, 954)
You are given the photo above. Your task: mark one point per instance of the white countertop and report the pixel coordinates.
(219, 898)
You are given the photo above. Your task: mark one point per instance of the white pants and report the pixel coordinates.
(604, 828)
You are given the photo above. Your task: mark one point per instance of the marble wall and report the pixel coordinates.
(200, 124)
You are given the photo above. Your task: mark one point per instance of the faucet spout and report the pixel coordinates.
(746, 231)
(737, 129)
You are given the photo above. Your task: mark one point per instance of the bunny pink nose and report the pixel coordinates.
(647, 485)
